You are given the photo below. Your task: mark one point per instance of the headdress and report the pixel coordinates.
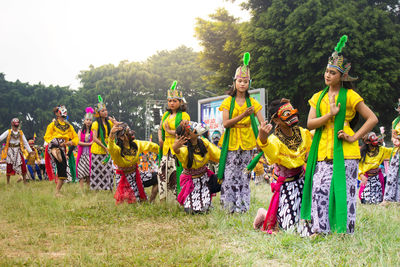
(337, 61)
(200, 128)
(15, 122)
(243, 71)
(89, 113)
(62, 111)
(99, 106)
(173, 93)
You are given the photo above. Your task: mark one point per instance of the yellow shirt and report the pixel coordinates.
(62, 131)
(170, 139)
(374, 162)
(275, 151)
(325, 149)
(129, 160)
(241, 134)
(213, 154)
(96, 149)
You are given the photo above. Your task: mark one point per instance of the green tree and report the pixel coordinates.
(222, 54)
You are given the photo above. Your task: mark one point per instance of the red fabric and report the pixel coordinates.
(139, 184)
(271, 218)
(187, 187)
(124, 191)
(48, 165)
(10, 169)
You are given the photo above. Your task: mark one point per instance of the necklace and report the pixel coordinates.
(292, 142)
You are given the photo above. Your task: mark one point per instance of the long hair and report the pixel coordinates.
(132, 145)
(83, 128)
(102, 126)
(180, 131)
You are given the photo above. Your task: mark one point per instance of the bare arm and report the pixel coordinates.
(370, 121)
(97, 141)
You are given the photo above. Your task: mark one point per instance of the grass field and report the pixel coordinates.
(88, 229)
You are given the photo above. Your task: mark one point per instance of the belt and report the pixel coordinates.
(331, 125)
(373, 172)
(237, 125)
(289, 179)
(128, 170)
(13, 145)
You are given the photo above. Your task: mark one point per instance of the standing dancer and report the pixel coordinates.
(392, 188)
(84, 158)
(195, 195)
(13, 150)
(59, 134)
(372, 180)
(101, 171)
(169, 167)
(329, 195)
(238, 117)
(125, 151)
(287, 148)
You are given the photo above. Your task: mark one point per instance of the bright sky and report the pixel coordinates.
(50, 41)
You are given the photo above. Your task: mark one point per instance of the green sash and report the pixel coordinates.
(72, 165)
(338, 194)
(179, 167)
(103, 141)
(225, 142)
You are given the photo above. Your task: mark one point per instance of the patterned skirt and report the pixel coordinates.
(132, 181)
(235, 188)
(148, 178)
(392, 187)
(320, 195)
(167, 177)
(372, 193)
(288, 215)
(101, 175)
(15, 161)
(84, 166)
(199, 200)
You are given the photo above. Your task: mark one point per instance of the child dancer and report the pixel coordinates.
(125, 151)
(59, 135)
(329, 195)
(84, 157)
(372, 180)
(287, 148)
(238, 117)
(195, 194)
(392, 188)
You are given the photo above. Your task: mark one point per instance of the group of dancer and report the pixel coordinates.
(315, 169)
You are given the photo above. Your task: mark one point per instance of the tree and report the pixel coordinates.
(222, 53)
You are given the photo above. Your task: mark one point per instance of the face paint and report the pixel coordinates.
(374, 140)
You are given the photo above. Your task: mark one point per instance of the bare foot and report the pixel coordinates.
(260, 217)
(384, 203)
(58, 194)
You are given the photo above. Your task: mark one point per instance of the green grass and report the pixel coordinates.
(37, 229)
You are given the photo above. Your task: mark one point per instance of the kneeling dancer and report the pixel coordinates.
(125, 151)
(287, 148)
(195, 194)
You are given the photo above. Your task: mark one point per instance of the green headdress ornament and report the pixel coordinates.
(244, 71)
(99, 106)
(338, 62)
(173, 93)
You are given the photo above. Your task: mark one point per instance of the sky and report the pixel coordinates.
(51, 41)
